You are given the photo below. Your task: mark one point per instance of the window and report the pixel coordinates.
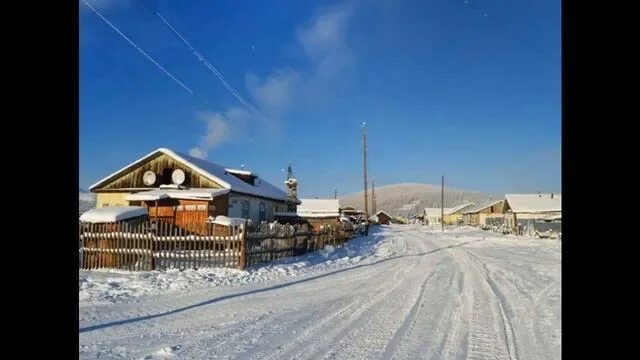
(263, 212)
(105, 205)
(245, 209)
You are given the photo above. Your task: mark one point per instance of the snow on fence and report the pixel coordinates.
(154, 245)
(273, 241)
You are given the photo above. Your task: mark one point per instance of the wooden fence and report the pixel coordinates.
(151, 245)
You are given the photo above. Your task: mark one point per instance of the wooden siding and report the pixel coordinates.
(111, 199)
(383, 219)
(132, 178)
(179, 212)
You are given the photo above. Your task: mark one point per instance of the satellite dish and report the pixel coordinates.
(177, 176)
(149, 178)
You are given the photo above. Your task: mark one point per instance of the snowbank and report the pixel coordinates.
(114, 286)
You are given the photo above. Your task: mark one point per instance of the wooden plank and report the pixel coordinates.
(199, 241)
(89, 258)
(208, 245)
(133, 231)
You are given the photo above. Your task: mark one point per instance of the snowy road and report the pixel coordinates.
(464, 294)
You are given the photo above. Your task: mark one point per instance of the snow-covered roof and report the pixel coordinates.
(431, 212)
(310, 208)
(190, 194)
(319, 207)
(112, 214)
(383, 212)
(241, 172)
(212, 171)
(454, 210)
(534, 203)
(481, 207)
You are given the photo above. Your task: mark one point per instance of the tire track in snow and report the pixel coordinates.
(481, 318)
(356, 319)
(408, 322)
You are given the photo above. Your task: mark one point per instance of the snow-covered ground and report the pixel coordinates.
(404, 292)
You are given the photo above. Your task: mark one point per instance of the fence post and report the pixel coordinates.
(153, 242)
(243, 246)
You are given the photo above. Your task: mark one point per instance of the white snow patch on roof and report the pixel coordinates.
(454, 210)
(534, 203)
(190, 194)
(481, 207)
(241, 172)
(326, 207)
(112, 214)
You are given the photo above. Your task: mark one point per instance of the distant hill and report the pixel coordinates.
(410, 198)
(86, 200)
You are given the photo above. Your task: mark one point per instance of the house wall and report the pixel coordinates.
(528, 221)
(452, 219)
(111, 199)
(235, 206)
(132, 179)
(383, 219)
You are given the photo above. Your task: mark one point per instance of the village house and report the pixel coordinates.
(381, 217)
(453, 215)
(432, 216)
(477, 215)
(531, 213)
(351, 213)
(178, 188)
(315, 212)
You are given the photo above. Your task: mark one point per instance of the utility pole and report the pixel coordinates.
(442, 205)
(364, 168)
(373, 196)
(335, 193)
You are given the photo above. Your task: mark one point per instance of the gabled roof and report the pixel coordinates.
(454, 210)
(212, 171)
(533, 203)
(383, 212)
(481, 207)
(435, 211)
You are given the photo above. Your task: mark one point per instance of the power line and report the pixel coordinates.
(137, 47)
(210, 67)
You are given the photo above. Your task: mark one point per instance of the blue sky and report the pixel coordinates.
(466, 89)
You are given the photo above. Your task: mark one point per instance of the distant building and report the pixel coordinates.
(351, 213)
(381, 217)
(477, 215)
(315, 212)
(453, 215)
(531, 213)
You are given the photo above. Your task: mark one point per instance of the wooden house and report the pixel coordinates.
(522, 211)
(381, 217)
(180, 189)
(315, 212)
(453, 215)
(477, 215)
